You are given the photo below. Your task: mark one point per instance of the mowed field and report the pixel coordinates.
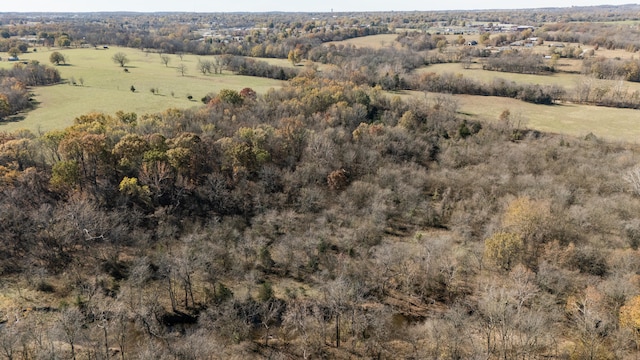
(107, 86)
(475, 72)
(570, 119)
(373, 41)
(567, 80)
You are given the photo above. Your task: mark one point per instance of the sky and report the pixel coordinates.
(282, 5)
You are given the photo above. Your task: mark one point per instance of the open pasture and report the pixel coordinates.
(285, 63)
(566, 80)
(373, 41)
(476, 72)
(570, 119)
(104, 86)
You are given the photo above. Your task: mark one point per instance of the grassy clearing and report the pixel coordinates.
(566, 80)
(287, 64)
(107, 86)
(373, 41)
(452, 39)
(570, 119)
(475, 72)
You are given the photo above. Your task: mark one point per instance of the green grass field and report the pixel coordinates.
(570, 119)
(566, 80)
(475, 72)
(107, 89)
(107, 86)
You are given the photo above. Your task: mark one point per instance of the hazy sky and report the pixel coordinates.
(282, 5)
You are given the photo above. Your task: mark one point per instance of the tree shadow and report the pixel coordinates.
(12, 119)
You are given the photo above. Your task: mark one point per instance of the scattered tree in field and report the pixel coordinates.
(120, 58)
(294, 57)
(57, 58)
(165, 59)
(205, 66)
(63, 41)
(132, 88)
(182, 69)
(14, 51)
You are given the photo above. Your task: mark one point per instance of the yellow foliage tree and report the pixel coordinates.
(529, 219)
(504, 249)
(630, 317)
(130, 187)
(5, 107)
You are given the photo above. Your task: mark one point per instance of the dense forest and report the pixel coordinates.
(321, 220)
(326, 219)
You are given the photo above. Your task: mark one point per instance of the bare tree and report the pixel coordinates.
(165, 59)
(632, 177)
(205, 66)
(182, 69)
(70, 325)
(9, 339)
(120, 58)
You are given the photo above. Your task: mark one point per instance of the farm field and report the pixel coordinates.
(372, 41)
(107, 86)
(566, 80)
(287, 64)
(475, 72)
(570, 119)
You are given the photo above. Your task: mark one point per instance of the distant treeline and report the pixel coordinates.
(457, 84)
(250, 67)
(522, 62)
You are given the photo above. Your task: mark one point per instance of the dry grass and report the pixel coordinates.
(373, 41)
(287, 64)
(107, 86)
(476, 72)
(567, 80)
(571, 119)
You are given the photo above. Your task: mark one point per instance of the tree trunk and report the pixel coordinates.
(106, 342)
(337, 330)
